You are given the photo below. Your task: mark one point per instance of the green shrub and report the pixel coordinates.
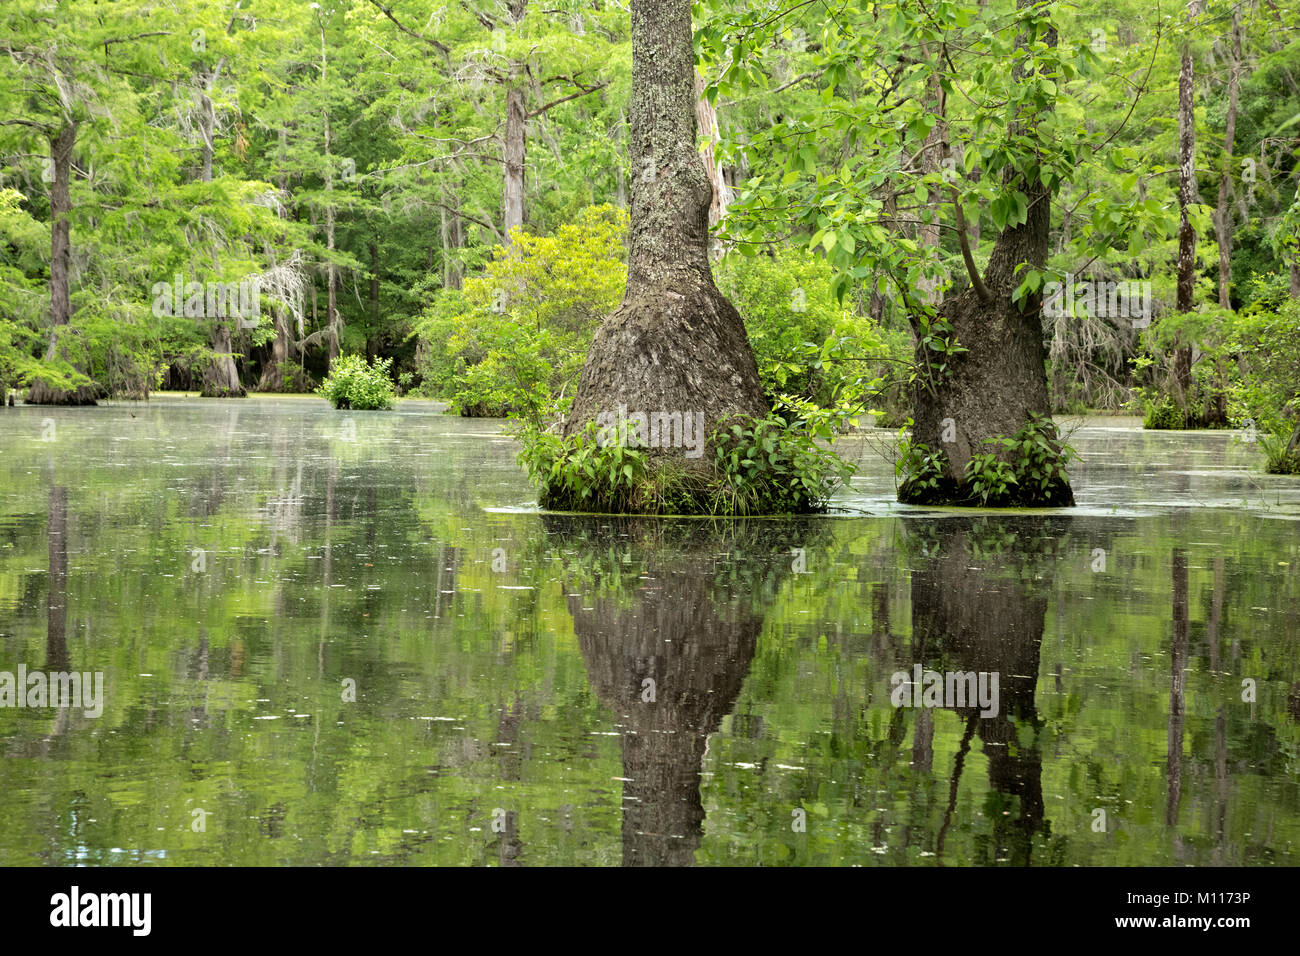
(518, 334)
(1212, 334)
(1024, 469)
(921, 472)
(809, 345)
(1267, 348)
(1162, 413)
(352, 383)
(759, 466)
(1282, 457)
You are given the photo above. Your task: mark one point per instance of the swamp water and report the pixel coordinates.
(330, 638)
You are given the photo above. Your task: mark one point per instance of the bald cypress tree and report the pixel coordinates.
(675, 344)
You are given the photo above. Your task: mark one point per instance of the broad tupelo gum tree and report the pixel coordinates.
(930, 131)
(999, 383)
(675, 343)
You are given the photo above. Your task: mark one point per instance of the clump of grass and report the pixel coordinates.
(1282, 450)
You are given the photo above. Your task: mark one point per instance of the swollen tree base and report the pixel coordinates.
(41, 393)
(677, 353)
(219, 391)
(973, 417)
(679, 346)
(670, 418)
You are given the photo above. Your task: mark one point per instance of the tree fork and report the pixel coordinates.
(999, 384)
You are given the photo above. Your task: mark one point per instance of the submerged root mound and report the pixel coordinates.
(945, 491)
(669, 492)
(759, 467)
(221, 391)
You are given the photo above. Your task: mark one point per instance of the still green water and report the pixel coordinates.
(542, 689)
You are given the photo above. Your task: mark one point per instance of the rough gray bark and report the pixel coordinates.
(514, 152)
(675, 343)
(1187, 193)
(516, 134)
(1223, 209)
(932, 152)
(61, 148)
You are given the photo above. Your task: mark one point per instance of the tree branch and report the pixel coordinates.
(440, 47)
(564, 99)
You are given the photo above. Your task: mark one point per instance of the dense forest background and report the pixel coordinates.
(445, 184)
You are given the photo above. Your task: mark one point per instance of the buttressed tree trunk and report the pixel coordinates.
(221, 377)
(61, 147)
(675, 344)
(1000, 382)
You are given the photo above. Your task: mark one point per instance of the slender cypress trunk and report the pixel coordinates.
(221, 378)
(927, 233)
(1223, 210)
(1186, 293)
(707, 117)
(516, 134)
(41, 393)
(452, 238)
(374, 299)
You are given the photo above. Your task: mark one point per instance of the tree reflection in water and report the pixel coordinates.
(667, 616)
(979, 597)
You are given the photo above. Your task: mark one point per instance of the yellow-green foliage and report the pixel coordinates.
(511, 338)
(808, 344)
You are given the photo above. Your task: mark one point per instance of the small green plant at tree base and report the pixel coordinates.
(1024, 469)
(921, 471)
(1282, 451)
(759, 467)
(774, 466)
(1163, 414)
(354, 384)
(989, 478)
